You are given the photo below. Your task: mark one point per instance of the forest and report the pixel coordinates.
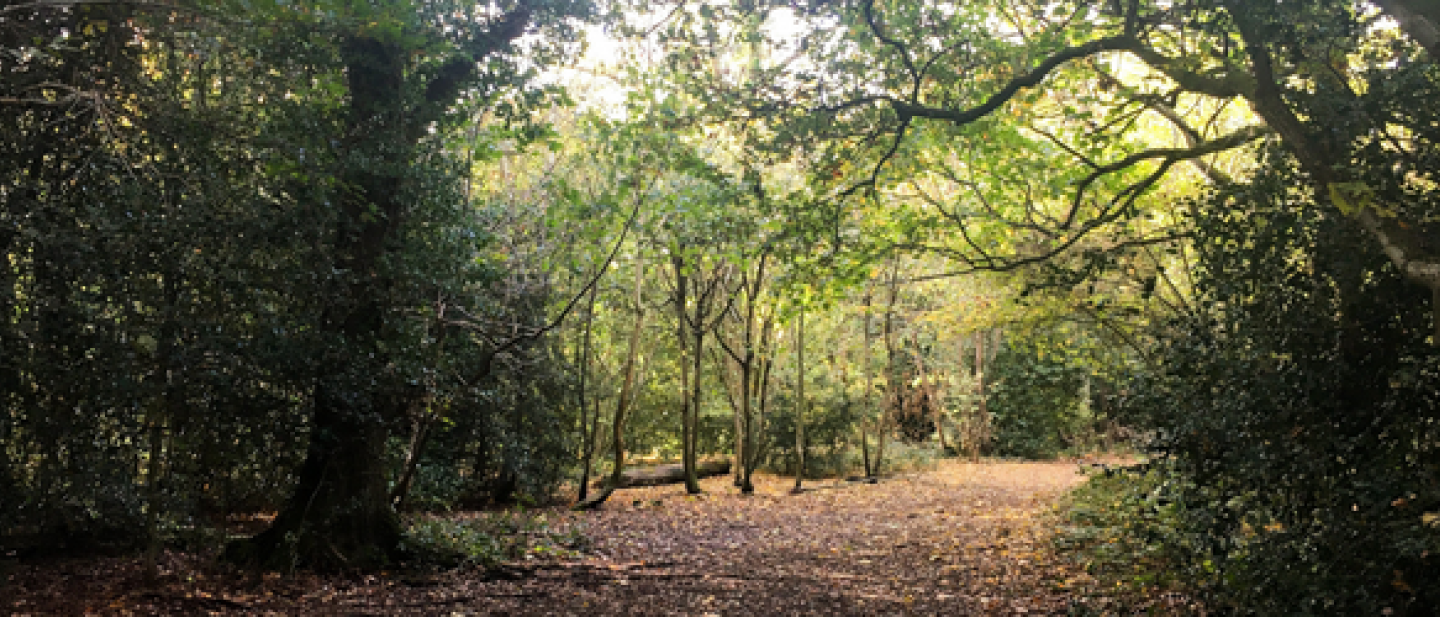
(305, 291)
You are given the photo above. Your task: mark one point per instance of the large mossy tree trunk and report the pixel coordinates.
(340, 516)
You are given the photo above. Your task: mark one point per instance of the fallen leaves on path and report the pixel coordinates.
(962, 539)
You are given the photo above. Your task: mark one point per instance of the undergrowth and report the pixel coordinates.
(491, 539)
(1117, 525)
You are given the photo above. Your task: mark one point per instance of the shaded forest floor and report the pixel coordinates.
(961, 539)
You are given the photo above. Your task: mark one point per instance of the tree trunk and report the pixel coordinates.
(340, 516)
(870, 467)
(765, 362)
(1409, 250)
(588, 427)
(692, 443)
(425, 415)
(737, 410)
(689, 412)
(747, 418)
(163, 416)
(622, 405)
(893, 382)
(800, 404)
(753, 375)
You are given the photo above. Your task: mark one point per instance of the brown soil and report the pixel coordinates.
(962, 539)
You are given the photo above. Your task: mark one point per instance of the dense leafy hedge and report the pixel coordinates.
(1295, 416)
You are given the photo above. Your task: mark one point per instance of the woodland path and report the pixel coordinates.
(960, 539)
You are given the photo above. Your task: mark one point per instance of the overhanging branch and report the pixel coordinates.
(1168, 155)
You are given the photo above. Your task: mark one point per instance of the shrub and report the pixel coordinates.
(1035, 402)
(488, 540)
(1294, 416)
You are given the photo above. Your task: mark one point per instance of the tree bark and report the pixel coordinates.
(1407, 250)
(980, 407)
(340, 516)
(754, 372)
(870, 467)
(800, 403)
(622, 405)
(691, 336)
(893, 381)
(588, 427)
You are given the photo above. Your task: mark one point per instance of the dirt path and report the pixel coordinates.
(963, 539)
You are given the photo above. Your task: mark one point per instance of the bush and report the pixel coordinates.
(488, 540)
(829, 430)
(1036, 402)
(1122, 526)
(1294, 416)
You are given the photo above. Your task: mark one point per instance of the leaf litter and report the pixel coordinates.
(959, 539)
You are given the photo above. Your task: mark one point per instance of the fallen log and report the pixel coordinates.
(666, 474)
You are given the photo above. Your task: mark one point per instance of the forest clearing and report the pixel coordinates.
(285, 285)
(960, 539)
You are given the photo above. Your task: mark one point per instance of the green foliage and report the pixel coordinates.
(831, 421)
(1295, 415)
(487, 540)
(501, 445)
(136, 307)
(901, 456)
(1121, 525)
(1037, 402)
(178, 219)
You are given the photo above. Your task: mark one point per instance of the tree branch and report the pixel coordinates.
(1029, 80)
(1169, 155)
(1419, 20)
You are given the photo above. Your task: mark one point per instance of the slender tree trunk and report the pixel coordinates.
(588, 426)
(747, 407)
(765, 363)
(622, 405)
(692, 443)
(419, 438)
(982, 412)
(688, 412)
(754, 375)
(164, 413)
(868, 361)
(425, 415)
(894, 400)
(800, 403)
(739, 411)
